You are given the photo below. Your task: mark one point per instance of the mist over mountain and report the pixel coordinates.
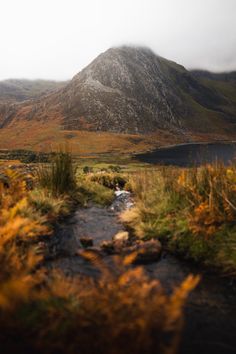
(21, 90)
(133, 90)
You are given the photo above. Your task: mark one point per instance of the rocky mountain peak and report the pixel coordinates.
(126, 88)
(132, 90)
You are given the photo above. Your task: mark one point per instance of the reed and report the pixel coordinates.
(60, 175)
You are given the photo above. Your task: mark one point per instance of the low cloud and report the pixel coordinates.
(57, 38)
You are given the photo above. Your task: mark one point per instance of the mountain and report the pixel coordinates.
(21, 90)
(224, 84)
(134, 91)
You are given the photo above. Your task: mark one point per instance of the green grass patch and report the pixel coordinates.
(192, 211)
(92, 191)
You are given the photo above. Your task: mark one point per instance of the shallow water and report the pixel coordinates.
(211, 309)
(190, 154)
(210, 313)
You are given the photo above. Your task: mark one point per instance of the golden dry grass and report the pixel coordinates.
(122, 312)
(47, 136)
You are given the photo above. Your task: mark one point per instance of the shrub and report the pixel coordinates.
(87, 169)
(66, 314)
(59, 176)
(88, 190)
(46, 205)
(110, 180)
(30, 157)
(211, 194)
(115, 168)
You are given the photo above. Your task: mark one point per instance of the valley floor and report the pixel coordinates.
(49, 136)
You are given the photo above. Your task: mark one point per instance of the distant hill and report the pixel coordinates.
(207, 75)
(134, 91)
(225, 86)
(20, 90)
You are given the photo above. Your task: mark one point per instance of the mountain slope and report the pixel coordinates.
(224, 84)
(20, 90)
(133, 91)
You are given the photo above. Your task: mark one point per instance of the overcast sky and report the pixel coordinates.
(57, 38)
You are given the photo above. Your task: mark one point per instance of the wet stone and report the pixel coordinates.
(86, 242)
(147, 252)
(122, 201)
(121, 236)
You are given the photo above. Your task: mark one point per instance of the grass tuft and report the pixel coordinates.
(59, 176)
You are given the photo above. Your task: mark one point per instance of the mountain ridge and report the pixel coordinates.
(18, 90)
(132, 90)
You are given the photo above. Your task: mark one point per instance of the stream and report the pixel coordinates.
(210, 313)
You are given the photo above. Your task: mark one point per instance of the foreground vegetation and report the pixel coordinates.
(192, 211)
(44, 311)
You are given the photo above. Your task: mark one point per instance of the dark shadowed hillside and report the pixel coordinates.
(225, 86)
